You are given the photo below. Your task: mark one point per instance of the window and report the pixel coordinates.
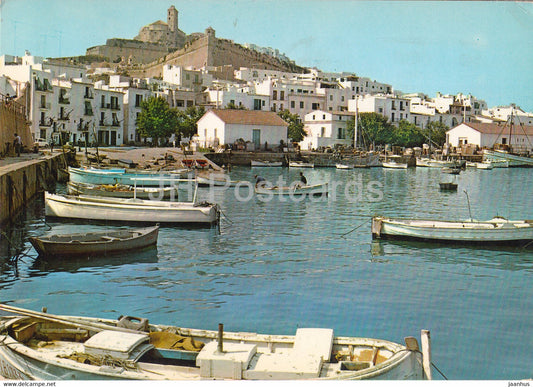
(43, 101)
(257, 104)
(282, 95)
(315, 106)
(380, 110)
(275, 95)
(292, 105)
(323, 116)
(180, 103)
(138, 100)
(392, 117)
(342, 98)
(331, 97)
(190, 103)
(103, 100)
(301, 104)
(341, 134)
(322, 131)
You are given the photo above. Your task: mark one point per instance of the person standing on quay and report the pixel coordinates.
(18, 144)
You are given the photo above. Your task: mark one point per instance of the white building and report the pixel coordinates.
(393, 108)
(219, 127)
(486, 135)
(504, 113)
(326, 129)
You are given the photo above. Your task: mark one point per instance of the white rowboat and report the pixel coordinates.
(41, 346)
(496, 230)
(394, 165)
(300, 164)
(95, 243)
(129, 210)
(294, 190)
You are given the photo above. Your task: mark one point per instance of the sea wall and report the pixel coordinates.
(20, 182)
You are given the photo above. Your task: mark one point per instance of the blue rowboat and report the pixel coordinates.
(120, 176)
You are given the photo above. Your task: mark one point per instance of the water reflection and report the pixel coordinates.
(44, 265)
(499, 257)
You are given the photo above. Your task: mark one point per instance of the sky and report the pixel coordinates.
(481, 48)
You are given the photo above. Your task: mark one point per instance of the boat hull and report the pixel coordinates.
(129, 210)
(393, 165)
(97, 243)
(513, 160)
(498, 230)
(255, 163)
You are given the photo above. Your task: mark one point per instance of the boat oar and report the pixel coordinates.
(65, 320)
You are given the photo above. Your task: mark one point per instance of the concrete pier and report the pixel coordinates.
(22, 178)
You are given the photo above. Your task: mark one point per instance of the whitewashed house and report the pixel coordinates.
(486, 135)
(219, 127)
(392, 107)
(326, 129)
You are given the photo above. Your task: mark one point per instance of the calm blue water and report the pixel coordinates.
(278, 265)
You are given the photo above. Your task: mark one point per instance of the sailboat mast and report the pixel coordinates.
(356, 132)
(511, 130)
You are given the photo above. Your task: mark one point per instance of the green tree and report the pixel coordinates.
(187, 121)
(156, 119)
(296, 127)
(375, 129)
(436, 131)
(407, 135)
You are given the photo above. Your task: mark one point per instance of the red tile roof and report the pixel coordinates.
(249, 117)
(502, 128)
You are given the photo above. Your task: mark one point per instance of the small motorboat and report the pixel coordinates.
(300, 164)
(343, 166)
(394, 165)
(95, 243)
(257, 163)
(448, 186)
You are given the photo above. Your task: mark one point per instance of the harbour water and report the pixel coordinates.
(276, 265)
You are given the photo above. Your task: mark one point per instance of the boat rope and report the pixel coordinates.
(15, 257)
(352, 230)
(226, 217)
(439, 371)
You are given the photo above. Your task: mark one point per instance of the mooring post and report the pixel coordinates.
(426, 353)
(220, 347)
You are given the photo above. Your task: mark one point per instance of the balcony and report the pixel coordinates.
(115, 123)
(88, 96)
(102, 123)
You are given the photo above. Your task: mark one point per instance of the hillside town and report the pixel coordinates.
(99, 102)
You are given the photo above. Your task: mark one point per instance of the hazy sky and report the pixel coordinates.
(482, 48)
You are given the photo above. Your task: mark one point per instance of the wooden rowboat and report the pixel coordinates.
(43, 346)
(300, 164)
(122, 191)
(294, 190)
(130, 210)
(496, 230)
(394, 165)
(257, 163)
(95, 243)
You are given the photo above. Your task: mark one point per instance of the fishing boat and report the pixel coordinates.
(451, 170)
(130, 210)
(484, 165)
(496, 230)
(394, 165)
(500, 163)
(122, 191)
(343, 166)
(44, 346)
(257, 163)
(300, 164)
(422, 162)
(512, 159)
(95, 243)
(120, 176)
(294, 190)
(440, 163)
(517, 154)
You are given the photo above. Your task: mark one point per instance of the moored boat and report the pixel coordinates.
(130, 210)
(300, 164)
(496, 230)
(394, 165)
(122, 191)
(448, 186)
(484, 165)
(440, 163)
(95, 243)
(257, 163)
(294, 190)
(117, 176)
(42, 346)
(343, 166)
(513, 160)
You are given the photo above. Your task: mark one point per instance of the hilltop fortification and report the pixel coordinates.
(159, 44)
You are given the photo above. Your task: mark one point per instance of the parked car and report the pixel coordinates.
(41, 143)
